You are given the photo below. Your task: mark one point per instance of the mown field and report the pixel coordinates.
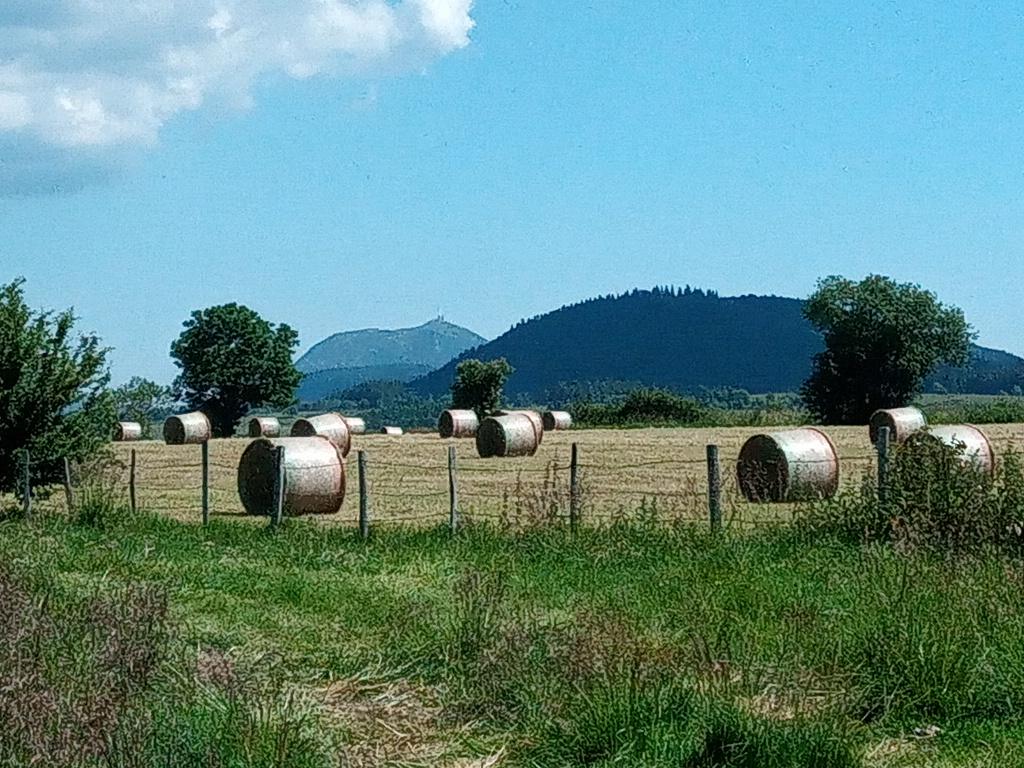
(625, 473)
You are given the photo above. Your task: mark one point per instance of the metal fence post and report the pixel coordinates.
(714, 489)
(574, 488)
(453, 491)
(883, 464)
(277, 511)
(364, 498)
(206, 482)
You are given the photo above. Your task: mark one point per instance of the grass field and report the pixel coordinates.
(652, 472)
(632, 644)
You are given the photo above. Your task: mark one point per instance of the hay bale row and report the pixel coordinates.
(356, 426)
(535, 418)
(329, 425)
(392, 431)
(127, 431)
(556, 421)
(792, 465)
(264, 426)
(187, 429)
(972, 444)
(902, 423)
(458, 423)
(314, 469)
(508, 435)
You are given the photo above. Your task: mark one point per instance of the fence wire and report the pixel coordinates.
(407, 483)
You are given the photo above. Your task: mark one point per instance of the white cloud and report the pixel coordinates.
(106, 75)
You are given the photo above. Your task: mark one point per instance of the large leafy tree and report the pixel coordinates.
(53, 396)
(231, 361)
(882, 338)
(478, 385)
(143, 401)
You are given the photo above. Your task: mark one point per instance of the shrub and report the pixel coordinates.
(934, 500)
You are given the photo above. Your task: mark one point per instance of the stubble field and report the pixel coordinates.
(656, 473)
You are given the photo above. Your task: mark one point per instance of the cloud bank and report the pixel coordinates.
(95, 78)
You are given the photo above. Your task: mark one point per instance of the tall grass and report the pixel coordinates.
(934, 499)
(635, 644)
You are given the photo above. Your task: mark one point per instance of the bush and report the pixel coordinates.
(955, 410)
(641, 406)
(934, 500)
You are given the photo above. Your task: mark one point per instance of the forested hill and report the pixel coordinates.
(678, 339)
(683, 340)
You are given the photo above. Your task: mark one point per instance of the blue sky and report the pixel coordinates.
(551, 152)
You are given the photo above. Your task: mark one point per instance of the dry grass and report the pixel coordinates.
(655, 473)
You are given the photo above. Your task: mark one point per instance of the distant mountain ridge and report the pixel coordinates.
(686, 340)
(353, 357)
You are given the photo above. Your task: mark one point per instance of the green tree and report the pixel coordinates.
(143, 401)
(231, 361)
(478, 385)
(882, 338)
(53, 396)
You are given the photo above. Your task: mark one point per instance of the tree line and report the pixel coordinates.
(882, 338)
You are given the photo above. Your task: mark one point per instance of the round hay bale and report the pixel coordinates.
(902, 423)
(264, 426)
(972, 443)
(794, 465)
(329, 425)
(555, 421)
(392, 431)
(356, 426)
(533, 416)
(127, 431)
(458, 423)
(187, 429)
(513, 434)
(314, 471)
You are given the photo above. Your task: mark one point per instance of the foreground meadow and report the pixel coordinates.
(645, 645)
(142, 639)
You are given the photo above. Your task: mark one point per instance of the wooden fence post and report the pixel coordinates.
(68, 490)
(131, 483)
(26, 484)
(364, 497)
(277, 511)
(574, 488)
(453, 491)
(883, 464)
(714, 489)
(206, 482)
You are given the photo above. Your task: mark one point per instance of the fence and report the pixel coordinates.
(578, 478)
(421, 480)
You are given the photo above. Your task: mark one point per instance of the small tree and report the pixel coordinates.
(53, 396)
(478, 385)
(232, 360)
(143, 401)
(882, 339)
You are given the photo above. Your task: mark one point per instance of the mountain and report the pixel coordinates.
(684, 340)
(991, 372)
(346, 359)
